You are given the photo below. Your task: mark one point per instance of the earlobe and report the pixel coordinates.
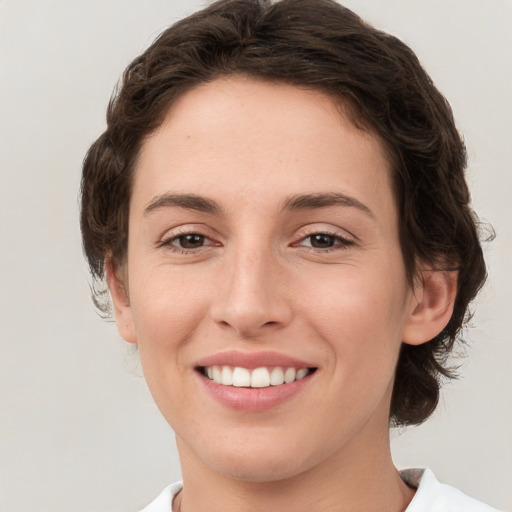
(120, 301)
(432, 306)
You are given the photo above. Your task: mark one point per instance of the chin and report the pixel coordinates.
(261, 469)
(254, 459)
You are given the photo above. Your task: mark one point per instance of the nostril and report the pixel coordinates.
(250, 319)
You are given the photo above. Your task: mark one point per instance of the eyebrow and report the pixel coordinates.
(293, 203)
(188, 201)
(324, 200)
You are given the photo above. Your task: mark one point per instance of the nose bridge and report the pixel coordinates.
(251, 299)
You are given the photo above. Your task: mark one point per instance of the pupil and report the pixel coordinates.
(191, 241)
(322, 241)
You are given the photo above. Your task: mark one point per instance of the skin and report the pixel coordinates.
(255, 282)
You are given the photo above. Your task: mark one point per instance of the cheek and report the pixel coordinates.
(360, 314)
(167, 307)
(357, 319)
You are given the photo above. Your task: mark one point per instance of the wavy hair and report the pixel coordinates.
(321, 45)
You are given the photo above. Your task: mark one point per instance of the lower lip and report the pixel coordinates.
(254, 399)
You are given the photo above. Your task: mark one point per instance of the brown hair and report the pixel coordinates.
(317, 44)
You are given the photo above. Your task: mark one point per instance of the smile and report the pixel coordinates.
(254, 381)
(262, 377)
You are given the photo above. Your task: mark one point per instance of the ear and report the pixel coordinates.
(431, 307)
(118, 286)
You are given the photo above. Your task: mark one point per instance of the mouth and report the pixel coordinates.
(254, 382)
(262, 377)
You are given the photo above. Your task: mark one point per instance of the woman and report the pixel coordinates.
(279, 209)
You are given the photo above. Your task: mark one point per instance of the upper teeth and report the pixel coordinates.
(257, 378)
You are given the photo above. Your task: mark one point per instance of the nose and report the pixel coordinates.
(253, 295)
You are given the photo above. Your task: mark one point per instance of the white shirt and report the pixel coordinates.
(431, 496)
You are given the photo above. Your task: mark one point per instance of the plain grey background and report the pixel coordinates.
(78, 428)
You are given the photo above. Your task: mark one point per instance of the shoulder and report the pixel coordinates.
(163, 502)
(433, 496)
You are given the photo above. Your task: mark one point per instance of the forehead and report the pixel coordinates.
(238, 135)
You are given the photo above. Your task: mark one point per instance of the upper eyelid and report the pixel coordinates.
(187, 229)
(170, 236)
(301, 233)
(345, 242)
(309, 230)
(327, 233)
(169, 242)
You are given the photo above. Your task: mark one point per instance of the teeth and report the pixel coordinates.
(301, 373)
(241, 377)
(277, 377)
(289, 375)
(260, 378)
(257, 378)
(226, 376)
(217, 374)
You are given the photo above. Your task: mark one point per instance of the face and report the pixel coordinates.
(265, 285)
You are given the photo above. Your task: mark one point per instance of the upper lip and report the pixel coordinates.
(252, 360)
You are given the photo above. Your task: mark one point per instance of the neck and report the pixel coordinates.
(360, 478)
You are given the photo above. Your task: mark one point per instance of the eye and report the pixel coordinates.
(321, 240)
(186, 242)
(325, 241)
(189, 241)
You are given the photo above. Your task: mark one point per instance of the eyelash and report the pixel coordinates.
(168, 242)
(339, 242)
